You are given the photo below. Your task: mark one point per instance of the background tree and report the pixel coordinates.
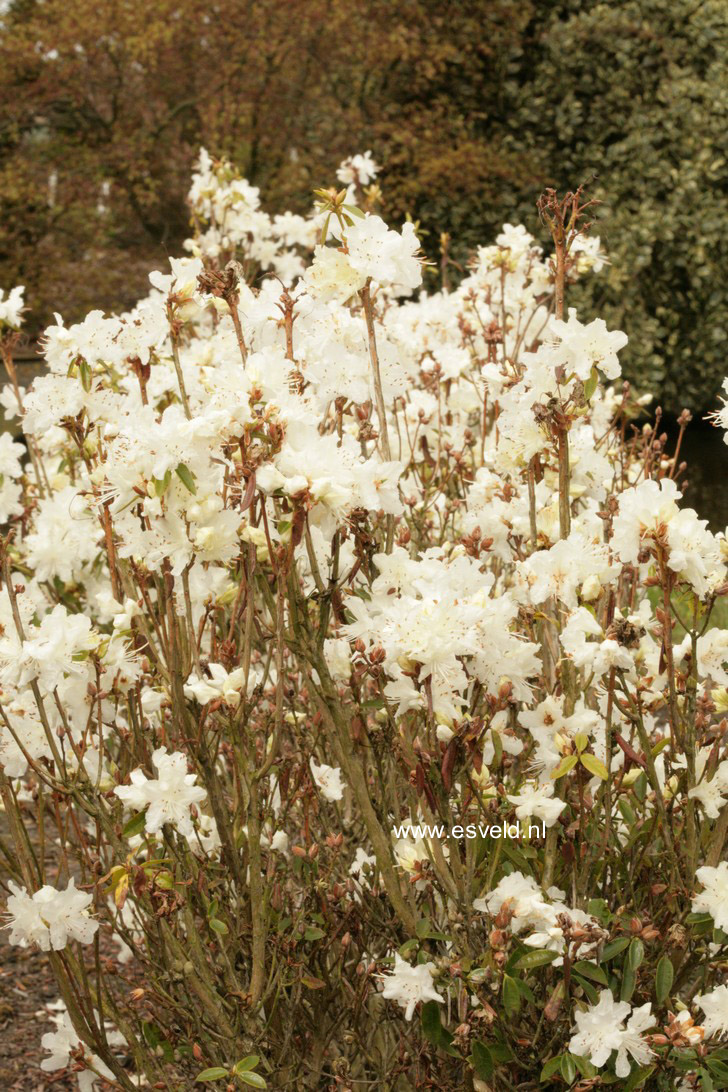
(637, 92)
(471, 106)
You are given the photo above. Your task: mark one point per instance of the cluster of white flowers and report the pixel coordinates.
(50, 917)
(601, 1028)
(541, 917)
(244, 512)
(166, 798)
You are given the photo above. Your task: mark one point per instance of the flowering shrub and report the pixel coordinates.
(356, 654)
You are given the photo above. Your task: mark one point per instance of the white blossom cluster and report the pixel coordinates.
(398, 454)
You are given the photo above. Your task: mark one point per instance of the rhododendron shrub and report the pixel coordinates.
(361, 698)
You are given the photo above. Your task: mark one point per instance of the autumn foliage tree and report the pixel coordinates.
(105, 107)
(472, 107)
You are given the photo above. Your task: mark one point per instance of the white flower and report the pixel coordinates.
(337, 654)
(362, 860)
(711, 794)
(331, 276)
(328, 780)
(537, 800)
(714, 899)
(10, 455)
(182, 281)
(713, 655)
(11, 307)
(64, 1041)
(359, 168)
(580, 348)
(645, 510)
(524, 897)
(715, 1007)
(600, 1029)
(221, 684)
(279, 842)
(409, 851)
(50, 917)
(53, 649)
(409, 985)
(387, 256)
(167, 797)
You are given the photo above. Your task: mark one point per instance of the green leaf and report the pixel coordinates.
(134, 826)
(422, 928)
(85, 374)
(433, 1030)
(594, 765)
(660, 747)
(640, 788)
(253, 1080)
(482, 1061)
(526, 990)
(217, 1073)
(568, 1068)
(219, 926)
(246, 1063)
(635, 954)
(312, 933)
(161, 484)
(564, 767)
(698, 919)
(638, 1077)
(591, 384)
(718, 1068)
(186, 476)
(614, 948)
(584, 1066)
(497, 749)
(706, 1081)
(151, 1034)
(664, 979)
(431, 1023)
(588, 989)
(537, 958)
(599, 908)
(590, 970)
(552, 1066)
(629, 981)
(511, 995)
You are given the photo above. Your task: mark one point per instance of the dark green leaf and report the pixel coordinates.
(590, 970)
(511, 995)
(552, 1066)
(614, 948)
(664, 979)
(482, 1061)
(537, 958)
(635, 954)
(431, 1023)
(588, 989)
(568, 1068)
(134, 826)
(629, 982)
(638, 1077)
